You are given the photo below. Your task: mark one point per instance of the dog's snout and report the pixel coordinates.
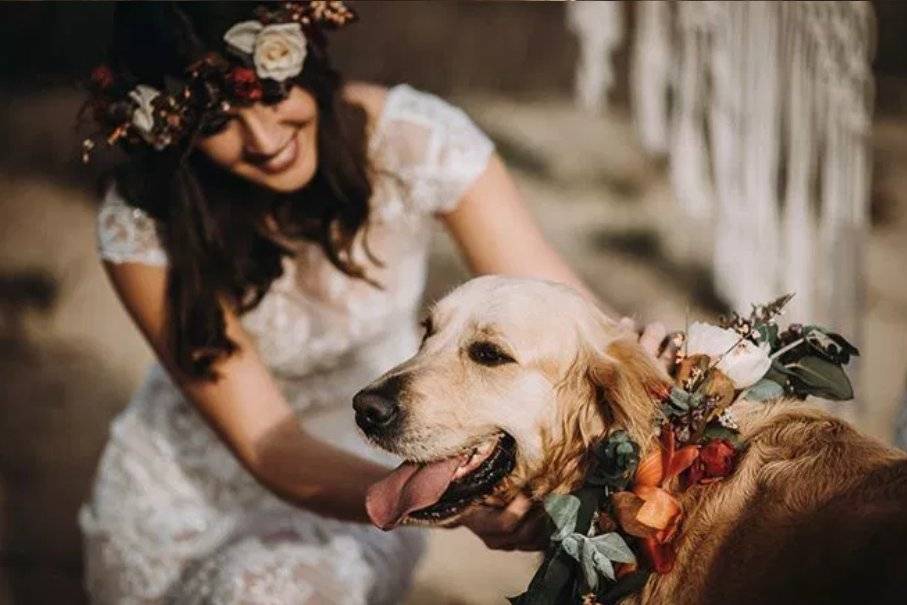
(378, 406)
(374, 410)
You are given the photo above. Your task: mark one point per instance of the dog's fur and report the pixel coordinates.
(815, 512)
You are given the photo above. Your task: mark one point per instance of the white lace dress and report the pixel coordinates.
(173, 517)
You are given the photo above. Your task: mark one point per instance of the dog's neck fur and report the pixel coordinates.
(612, 393)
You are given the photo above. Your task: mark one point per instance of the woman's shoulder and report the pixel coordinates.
(404, 103)
(371, 97)
(126, 233)
(431, 146)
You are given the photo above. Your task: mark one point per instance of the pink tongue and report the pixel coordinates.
(409, 487)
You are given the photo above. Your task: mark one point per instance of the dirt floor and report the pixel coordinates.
(69, 357)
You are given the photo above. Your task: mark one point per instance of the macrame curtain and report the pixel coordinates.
(763, 110)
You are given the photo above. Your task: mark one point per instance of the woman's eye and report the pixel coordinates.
(488, 354)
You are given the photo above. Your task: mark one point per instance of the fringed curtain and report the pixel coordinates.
(763, 109)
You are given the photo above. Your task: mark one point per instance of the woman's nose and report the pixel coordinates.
(264, 134)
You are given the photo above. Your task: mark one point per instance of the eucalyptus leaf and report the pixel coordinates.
(764, 390)
(680, 399)
(595, 554)
(769, 333)
(829, 345)
(811, 375)
(588, 563)
(614, 547)
(562, 508)
(601, 564)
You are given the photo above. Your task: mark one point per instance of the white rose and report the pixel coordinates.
(738, 358)
(143, 114)
(278, 50)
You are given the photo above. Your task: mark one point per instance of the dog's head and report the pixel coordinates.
(514, 380)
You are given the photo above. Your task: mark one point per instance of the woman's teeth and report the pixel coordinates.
(283, 159)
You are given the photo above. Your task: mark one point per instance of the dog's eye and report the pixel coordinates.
(488, 354)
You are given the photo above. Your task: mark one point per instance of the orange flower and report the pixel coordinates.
(658, 511)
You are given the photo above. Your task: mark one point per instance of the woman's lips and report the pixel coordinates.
(281, 160)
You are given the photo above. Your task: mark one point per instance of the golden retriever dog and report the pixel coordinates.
(516, 379)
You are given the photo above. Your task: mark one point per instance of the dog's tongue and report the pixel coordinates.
(409, 487)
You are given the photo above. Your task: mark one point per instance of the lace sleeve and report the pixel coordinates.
(127, 234)
(432, 146)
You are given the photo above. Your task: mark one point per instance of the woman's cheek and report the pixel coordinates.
(224, 148)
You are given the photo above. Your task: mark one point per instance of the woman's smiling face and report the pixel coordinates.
(270, 145)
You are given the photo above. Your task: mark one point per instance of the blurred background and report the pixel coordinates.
(615, 124)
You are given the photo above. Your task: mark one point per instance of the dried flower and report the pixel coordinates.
(244, 84)
(716, 460)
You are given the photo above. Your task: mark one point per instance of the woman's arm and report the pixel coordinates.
(497, 234)
(248, 411)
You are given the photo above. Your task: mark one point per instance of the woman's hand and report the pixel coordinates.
(521, 525)
(654, 339)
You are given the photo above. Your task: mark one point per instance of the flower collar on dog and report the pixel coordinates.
(618, 528)
(263, 56)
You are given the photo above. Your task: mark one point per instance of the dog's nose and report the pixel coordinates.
(374, 410)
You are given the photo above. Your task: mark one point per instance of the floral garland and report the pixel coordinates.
(264, 54)
(617, 529)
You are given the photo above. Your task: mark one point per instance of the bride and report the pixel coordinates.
(268, 233)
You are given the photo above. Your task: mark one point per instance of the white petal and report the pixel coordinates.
(706, 339)
(287, 29)
(746, 364)
(143, 95)
(242, 35)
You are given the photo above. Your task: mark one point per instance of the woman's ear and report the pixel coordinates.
(628, 383)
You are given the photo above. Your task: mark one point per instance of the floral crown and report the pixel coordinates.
(264, 54)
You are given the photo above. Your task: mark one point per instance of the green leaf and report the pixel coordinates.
(716, 431)
(614, 547)
(764, 390)
(829, 345)
(811, 375)
(562, 508)
(680, 399)
(769, 333)
(616, 460)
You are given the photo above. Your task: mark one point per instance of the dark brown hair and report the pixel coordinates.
(213, 220)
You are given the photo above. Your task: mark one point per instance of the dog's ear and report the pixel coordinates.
(627, 382)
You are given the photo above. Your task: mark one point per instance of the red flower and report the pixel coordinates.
(244, 84)
(716, 461)
(102, 77)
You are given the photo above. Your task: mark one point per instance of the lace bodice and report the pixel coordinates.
(314, 319)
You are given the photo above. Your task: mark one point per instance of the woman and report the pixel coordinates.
(268, 236)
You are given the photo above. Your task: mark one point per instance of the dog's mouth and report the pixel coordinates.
(433, 492)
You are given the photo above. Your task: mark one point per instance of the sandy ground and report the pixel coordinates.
(69, 357)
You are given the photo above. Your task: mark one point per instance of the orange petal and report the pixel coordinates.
(659, 507)
(626, 506)
(661, 556)
(650, 471)
(624, 569)
(681, 461)
(667, 534)
(667, 444)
